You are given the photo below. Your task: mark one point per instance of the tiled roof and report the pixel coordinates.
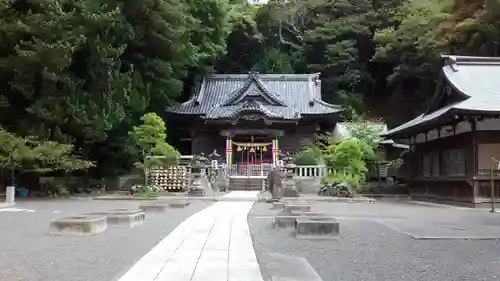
(476, 79)
(259, 90)
(280, 96)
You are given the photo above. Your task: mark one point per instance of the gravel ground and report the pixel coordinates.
(370, 250)
(28, 252)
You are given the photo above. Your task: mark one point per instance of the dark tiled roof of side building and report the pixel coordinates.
(278, 96)
(476, 79)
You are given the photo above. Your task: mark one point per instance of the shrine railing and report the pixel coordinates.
(313, 171)
(248, 169)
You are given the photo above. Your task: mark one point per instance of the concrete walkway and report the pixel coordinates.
(212, 245)
(6, 205)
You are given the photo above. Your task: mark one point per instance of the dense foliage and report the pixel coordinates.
(28, 154)
(346, 158)
(83, 72)
(307, 157)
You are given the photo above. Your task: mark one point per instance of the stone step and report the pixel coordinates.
(245, 184)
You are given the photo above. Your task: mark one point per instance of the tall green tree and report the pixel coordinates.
(83, 72)
(149, 137)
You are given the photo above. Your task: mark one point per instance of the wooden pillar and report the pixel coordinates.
(229, 151)
(440, 153)
(275, 150)
(192, 133)
(411, 159)
(473, 125)
(474, 156)
(228, 148)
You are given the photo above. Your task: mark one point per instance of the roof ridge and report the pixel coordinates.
(452, 60)
(322, 102)
(273, 76)
(242, 91)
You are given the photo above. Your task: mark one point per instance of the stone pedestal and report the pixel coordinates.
(196, 188)
(223, 184)
(289, 189)
(275, 184)
(10, 194)
(79, 225)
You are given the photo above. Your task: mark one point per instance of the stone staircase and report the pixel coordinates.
(244, 183)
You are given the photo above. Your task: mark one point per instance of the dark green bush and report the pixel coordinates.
(306, 157)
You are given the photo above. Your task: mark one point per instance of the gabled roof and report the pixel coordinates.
(254, 87)
(475, 79)
(278, 96)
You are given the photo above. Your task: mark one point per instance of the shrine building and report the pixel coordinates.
(454, 152)
(250, 118)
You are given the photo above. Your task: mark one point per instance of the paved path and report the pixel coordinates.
(213, 244)
(6, 205)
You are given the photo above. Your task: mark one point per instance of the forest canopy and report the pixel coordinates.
(84, 72)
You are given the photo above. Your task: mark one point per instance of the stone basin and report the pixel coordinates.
(79, 225)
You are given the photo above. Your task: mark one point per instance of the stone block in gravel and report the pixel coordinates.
(79, 225)
(297, 207)
(178, 204)
(316, 227)
(155, 207)
(124, 217)
(281, 267)
(287, 219)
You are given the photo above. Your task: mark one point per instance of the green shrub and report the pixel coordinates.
(354, 181)
(306, 157)
(347, 159)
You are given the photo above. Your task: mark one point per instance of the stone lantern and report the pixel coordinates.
(289, 189)
(289, 165)
(197, 172)
(214, 160)
(218, 182)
